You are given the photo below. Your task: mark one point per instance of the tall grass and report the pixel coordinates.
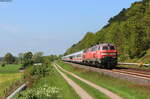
(6, 80)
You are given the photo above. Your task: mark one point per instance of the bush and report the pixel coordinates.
(3, 64)
(123, 57)
(40, 70)
(44, 92)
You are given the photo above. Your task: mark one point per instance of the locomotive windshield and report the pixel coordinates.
(112, 47)
(105, 47)
(108, 48)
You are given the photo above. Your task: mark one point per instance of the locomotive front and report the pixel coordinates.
(108, 56)
(102, 55)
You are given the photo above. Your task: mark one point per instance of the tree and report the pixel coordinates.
(20, 56)
(38, 57)
(9, 58)
(27, 59)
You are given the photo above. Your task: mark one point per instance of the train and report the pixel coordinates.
(102, 55)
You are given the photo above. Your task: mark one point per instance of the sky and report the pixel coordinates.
(52, 26)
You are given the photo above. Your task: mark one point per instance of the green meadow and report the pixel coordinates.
(9, 74)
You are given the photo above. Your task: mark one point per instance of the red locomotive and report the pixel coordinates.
(102, 55)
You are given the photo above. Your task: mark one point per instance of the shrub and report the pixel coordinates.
(3, 64)
(45, 92)
(40, 70)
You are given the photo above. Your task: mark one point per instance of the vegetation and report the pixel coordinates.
(9, 58)
(51, 86)
(27, 59)
(11, 77)
(92, 91)
(37, 57)
(10, 68)
(8, 76)
(129, 31)
(123, 88)
(44, 92)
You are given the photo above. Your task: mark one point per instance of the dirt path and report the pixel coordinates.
(101, 89)
(81, 92)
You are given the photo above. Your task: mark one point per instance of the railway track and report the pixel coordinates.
(133, 72)
(133, 75)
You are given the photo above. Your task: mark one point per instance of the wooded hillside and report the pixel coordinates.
(129, 31)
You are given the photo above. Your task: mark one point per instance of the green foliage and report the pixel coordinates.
(51, 58)
(52, 85)
(20, 58)
(55, 79)
(38, 57)
(3, 64)
(129, 31)
(44, 92)
(9, 58)
(27, 59)
(40, 70)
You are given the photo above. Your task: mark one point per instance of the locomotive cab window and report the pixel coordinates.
(112, 48)
(105, 48)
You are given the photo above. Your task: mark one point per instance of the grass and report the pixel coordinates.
(125, 89)
(11, 68)
(8, 75)
(137, 67)
(92, 91)
(56, 80)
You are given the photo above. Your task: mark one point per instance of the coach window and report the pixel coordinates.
(94, 49)
(90, 49)
(99, 48)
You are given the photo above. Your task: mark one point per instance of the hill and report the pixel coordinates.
(129, 31)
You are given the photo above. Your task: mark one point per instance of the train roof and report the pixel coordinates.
(74, 54)
(80, 52)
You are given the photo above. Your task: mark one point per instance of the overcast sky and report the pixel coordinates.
(52, 26)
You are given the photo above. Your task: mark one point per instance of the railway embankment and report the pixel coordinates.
(133, 77)
(123, 88)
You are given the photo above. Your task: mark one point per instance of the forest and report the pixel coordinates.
(129, 31)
